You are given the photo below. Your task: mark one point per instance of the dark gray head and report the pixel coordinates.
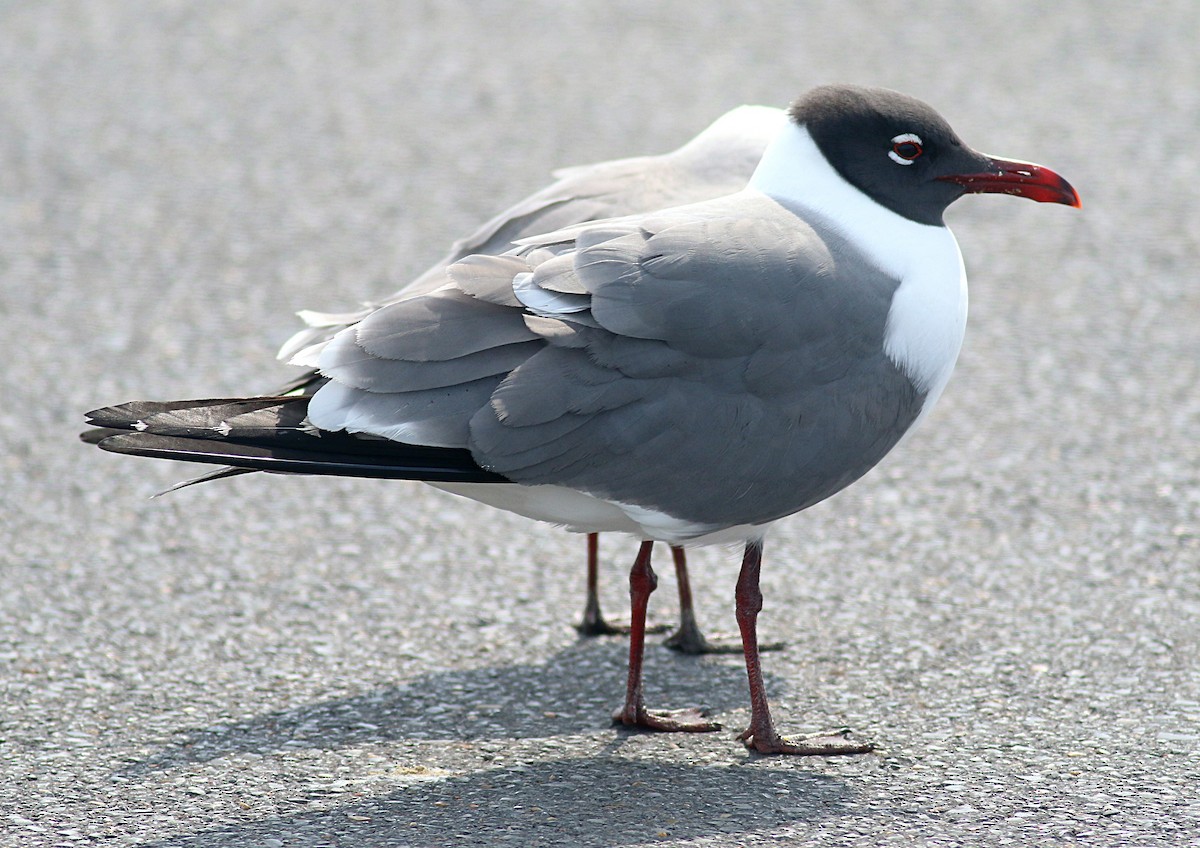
(902, 154)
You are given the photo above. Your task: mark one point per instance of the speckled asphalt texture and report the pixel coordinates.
(1008, 606)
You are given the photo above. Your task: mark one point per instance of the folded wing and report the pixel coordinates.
(644, 358)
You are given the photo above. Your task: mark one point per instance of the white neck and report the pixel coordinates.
(929, 309)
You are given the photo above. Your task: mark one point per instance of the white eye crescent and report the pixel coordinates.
(906, 148)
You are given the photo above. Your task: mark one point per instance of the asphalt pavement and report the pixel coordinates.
(1007, 606)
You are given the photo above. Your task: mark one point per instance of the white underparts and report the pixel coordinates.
(584, 513)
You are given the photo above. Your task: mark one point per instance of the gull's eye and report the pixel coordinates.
(905, 148)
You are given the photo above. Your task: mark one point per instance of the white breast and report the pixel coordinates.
(926, 323)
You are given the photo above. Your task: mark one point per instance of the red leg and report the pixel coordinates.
(761, 734)
(642, 582)
(593, 623)
(688, 639)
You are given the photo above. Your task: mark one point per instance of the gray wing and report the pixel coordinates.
(718, 161)
(587, 193)
(417, 370)
(724, 344)
(737, 349)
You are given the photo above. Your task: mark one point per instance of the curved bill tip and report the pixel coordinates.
(1021, 179)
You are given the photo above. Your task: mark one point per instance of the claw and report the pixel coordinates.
(690, 720)
(689, 640)
(823, 745)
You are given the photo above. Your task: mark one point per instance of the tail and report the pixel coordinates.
(270, 434)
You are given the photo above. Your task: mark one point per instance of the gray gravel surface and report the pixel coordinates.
(1008, 606)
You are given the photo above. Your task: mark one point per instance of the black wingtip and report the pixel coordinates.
(219, 474)
(98, 434)
(108, 418)
(342, 457)
(270, 434)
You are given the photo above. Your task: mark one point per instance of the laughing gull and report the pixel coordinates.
(688, 376)
(716, 162)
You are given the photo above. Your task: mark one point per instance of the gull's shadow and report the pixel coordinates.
(574, 691)
(600, 801)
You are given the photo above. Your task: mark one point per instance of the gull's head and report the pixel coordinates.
(902, 154)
